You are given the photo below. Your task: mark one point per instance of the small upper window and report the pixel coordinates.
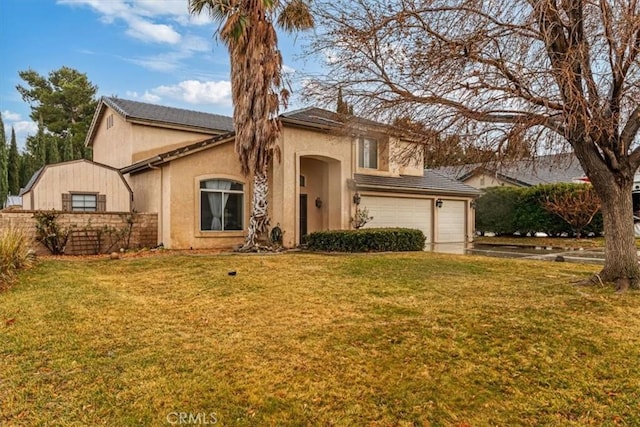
(303, 181)
(84, 202)
(109, 121)
(368, 153)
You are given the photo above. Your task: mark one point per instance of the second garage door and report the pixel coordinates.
(451, 222)
(399, 212)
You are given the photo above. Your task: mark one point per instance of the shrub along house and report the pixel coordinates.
(182, 165)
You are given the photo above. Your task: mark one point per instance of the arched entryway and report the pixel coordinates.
(319, 189)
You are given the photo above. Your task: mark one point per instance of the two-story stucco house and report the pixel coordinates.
(182, 165)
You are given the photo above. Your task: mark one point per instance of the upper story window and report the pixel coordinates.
(221, 205)
(368, 153)
(109, 121)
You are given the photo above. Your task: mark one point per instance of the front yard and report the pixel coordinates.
(301, 339)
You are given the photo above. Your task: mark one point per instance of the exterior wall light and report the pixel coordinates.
(439, 203)
(318, 202)
(356, 198)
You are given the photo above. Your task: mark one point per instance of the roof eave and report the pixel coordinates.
(414, 190)
(163, 158)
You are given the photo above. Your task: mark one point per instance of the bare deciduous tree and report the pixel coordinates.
(576, 206)
(556, 73)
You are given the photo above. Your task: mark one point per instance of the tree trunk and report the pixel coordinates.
(621, 259)
(259, 220)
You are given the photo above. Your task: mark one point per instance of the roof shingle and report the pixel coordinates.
(431, 181)
(170, 115)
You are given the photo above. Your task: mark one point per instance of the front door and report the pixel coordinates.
(303, 216)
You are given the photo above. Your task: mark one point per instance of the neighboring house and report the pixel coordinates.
(77, 185)
(550, 169)
(325, 165)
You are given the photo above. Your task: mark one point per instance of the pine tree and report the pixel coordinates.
(52, 153)
(13, 170)
(63, 102)
(67, 147)
(4, 169)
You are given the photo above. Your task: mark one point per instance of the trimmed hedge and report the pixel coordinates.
(509, 210)
(367, 240)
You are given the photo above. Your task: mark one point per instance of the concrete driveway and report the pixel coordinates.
(585, 256)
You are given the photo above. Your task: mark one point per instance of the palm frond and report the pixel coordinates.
(295, 16)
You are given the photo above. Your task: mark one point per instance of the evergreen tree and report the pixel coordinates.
(67, 148)
(25, 170)
(13, 169)
(51, 149)
(4, 179)
(64, 103)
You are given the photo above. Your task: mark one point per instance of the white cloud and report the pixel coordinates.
(140, 17)
(193, 92)
(149, 32)
(197, 92)
(24, 128)
(146, 97)
(10, 116)
(288, 70)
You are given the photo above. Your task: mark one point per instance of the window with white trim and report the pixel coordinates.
(368, 153)
(221, 205)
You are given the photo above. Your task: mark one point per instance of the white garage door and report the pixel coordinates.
(451, 221)
(399, 212)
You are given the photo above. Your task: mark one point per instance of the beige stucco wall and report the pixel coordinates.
(333, 157)
(150, 141)
(406, 158)
(126, 142)
(111, 146)
(78, 177)
(180, 198)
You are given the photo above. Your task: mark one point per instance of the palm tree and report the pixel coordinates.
(247, 29)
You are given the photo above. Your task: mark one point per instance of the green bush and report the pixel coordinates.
(367, 240)
(496, 210)
(507, 210)
(531, 216)
(15, 254)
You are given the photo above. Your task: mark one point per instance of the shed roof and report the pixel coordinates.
(37, 174)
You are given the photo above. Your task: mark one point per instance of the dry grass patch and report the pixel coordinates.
(303, 339)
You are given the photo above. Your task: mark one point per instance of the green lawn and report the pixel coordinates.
(302, 339)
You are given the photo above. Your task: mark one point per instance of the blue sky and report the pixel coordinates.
(146, 50)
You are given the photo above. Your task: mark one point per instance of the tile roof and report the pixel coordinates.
(549, 169)
(169, 115)
(320, 117)
(431, 181)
